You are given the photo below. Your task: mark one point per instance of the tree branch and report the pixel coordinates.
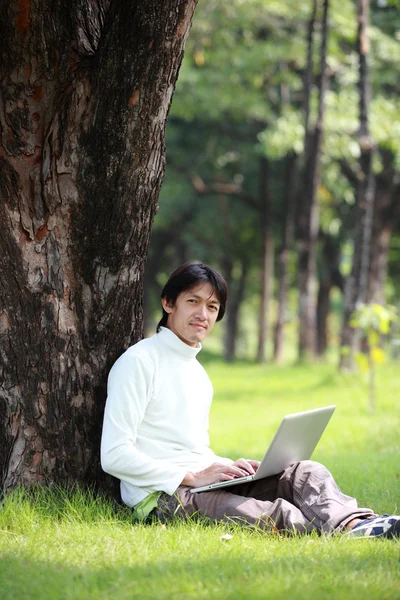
(349, 173)
(225, 189)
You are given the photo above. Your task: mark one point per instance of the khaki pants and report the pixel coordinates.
(303, 498)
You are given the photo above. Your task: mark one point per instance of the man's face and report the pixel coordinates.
(194, 313)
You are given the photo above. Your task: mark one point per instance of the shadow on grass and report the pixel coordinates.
(346, 574)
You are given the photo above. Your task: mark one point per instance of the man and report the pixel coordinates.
(155, 433)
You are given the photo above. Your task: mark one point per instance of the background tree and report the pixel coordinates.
(357, 284)
(308, 210)
(85, 93)
(241, 97)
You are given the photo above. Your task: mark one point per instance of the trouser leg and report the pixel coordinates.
(220, 505)
(302, 498)
(311, 488)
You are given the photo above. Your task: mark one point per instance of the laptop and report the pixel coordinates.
(296, 438)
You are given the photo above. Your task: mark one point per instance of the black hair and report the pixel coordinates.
(188, 276)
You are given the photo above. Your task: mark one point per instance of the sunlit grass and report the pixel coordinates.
(69, 544)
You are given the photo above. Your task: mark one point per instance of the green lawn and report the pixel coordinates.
(68, 545)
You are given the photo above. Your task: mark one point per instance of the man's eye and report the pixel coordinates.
(213, 307)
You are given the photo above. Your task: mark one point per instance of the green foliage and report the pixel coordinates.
(374, 321)
(240, 96)
(286, 136)
(244, 66)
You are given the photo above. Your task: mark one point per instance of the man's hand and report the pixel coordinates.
(220, 472)
(248, 465)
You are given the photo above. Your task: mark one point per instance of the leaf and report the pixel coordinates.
(373, 318)
(354, 321)
(362, 362)
(377, 355)
(384, 326)
(199, 58)
(373, 338)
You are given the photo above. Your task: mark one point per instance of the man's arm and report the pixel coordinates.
(221, 472)
(129, 391)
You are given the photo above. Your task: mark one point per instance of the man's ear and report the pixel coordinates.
(167, 304)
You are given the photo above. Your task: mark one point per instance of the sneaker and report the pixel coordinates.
(386, 526)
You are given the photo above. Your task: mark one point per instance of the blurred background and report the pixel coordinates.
(283, 171)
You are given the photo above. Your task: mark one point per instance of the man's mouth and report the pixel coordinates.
(198, 325)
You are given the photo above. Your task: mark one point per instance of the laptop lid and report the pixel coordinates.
(295, 440)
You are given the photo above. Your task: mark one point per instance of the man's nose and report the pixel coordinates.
(201, 312)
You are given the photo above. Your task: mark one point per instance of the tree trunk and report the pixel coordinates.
(308, 73)
(385, 207)
(309, 217)
(283, 257)
(85, 94)
(323, 308)
(330, 276)
(357, 282)
(236, 295)
(267, 260)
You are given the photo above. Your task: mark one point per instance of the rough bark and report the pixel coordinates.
(85, 92)
(267, 261)
(308, 209)
(283, 256)
(357, 282)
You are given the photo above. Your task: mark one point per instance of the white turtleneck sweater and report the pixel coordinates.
(155, 426)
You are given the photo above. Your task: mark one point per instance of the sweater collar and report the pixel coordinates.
(172, 341)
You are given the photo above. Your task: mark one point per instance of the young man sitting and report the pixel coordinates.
(155, 433)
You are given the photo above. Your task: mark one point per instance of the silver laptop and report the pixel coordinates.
(296, 438)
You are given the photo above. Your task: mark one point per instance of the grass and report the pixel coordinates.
(67, 544)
